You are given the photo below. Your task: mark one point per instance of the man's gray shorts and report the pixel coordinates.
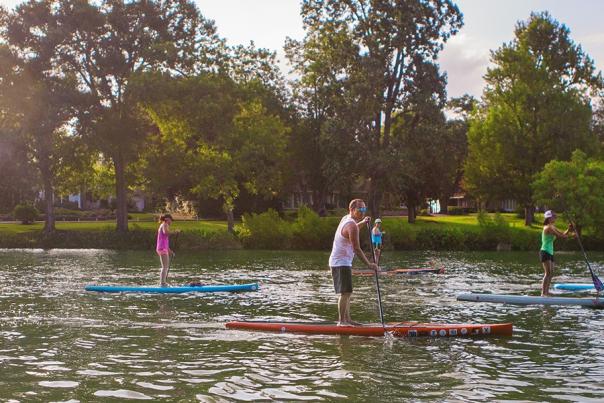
(342, 279)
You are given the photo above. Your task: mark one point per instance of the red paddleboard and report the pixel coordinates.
(401, 329)
(395, 272)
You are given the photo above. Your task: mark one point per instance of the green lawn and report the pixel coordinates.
(147, 221)
(471, 220)
(429, 232)
(207, 226)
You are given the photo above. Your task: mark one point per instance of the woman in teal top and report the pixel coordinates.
(546, 254)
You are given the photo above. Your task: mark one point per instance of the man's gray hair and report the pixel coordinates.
(355, 203)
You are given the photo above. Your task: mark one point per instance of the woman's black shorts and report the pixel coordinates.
(545, 256)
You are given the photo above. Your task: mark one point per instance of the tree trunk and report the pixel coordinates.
(49, 221)
(230, 220)
(319, 202)
(120, 189)
(374, 199)
(411, 213)
(444, 203)
(529, 215)
(43, 153)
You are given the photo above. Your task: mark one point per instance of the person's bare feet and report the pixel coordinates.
(349, 323)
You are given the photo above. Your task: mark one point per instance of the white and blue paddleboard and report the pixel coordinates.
(575, 287)
(175, 290)
(531, 300)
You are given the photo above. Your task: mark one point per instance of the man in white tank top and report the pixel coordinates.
(345, 245)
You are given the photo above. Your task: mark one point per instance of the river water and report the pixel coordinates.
(61, 343)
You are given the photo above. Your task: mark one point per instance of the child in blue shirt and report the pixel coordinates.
(376, 239)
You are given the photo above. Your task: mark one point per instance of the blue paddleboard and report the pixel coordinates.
(574, 286)
(175, 290)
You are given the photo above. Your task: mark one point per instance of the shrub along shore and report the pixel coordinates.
(306, 231)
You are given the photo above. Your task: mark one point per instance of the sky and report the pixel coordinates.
(488, 24)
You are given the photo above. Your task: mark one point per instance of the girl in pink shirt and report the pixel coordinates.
(163, 247)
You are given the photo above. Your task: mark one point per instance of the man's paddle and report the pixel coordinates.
(597, 282)
(377, 281)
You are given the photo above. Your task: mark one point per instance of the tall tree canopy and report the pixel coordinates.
(431, 151)
(18, 180)
(535, 108)
(104, 44)
(382, 52)
(36, 97)
(573, 187)
(320, 147)
(214, 138)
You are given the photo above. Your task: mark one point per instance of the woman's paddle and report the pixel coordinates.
(377, 281)
(173, 255)
(597, 282)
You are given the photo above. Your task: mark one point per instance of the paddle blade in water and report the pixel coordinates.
(597, 282)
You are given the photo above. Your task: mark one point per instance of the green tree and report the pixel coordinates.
(321, 153)
(250, 156)
(425, 147)
(380, 51)
(83, 170)
(39, 99)
(107, 43)
(454, 150)
(573, 188)
(18, 180)
(26, 213)
(598, 122)
(535, 108)
(214, 139)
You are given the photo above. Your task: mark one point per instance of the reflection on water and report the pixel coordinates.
(60, 343)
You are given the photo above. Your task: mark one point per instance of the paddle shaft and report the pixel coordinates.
(172, 256)
(377, 281)
(595, 279)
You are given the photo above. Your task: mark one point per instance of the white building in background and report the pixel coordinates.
(77, 199)
(139, 201)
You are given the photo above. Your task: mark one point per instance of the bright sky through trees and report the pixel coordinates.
(487, 25)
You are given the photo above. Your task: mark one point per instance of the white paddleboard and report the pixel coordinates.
(530, 300)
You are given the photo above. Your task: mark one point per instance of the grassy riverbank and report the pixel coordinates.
(307, 231)
(195, 235)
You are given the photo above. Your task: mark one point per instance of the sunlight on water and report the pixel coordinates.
(61, 343)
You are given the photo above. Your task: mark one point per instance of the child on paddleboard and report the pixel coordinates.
(163, 247)
(546, 254)
(376, 239)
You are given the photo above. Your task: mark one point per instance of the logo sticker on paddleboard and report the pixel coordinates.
(486, 330)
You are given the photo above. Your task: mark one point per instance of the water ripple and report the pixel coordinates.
(60, 343)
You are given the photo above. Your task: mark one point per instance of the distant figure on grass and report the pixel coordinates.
(376, 239)
(345, 245)
(546, 254)
(163, 247)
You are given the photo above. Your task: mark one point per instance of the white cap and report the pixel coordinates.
(378, 220)
(549, 214)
